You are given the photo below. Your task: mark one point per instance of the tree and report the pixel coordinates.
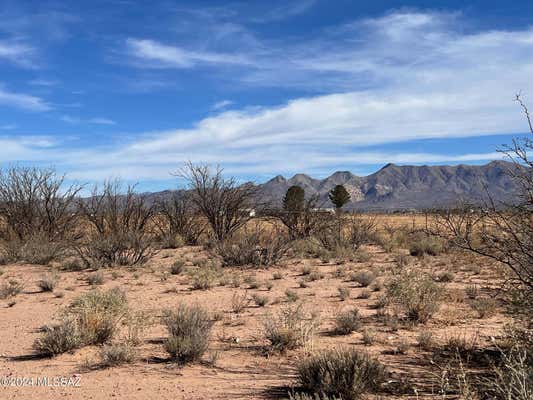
(339, 196)
(294, 199)
(225, 205)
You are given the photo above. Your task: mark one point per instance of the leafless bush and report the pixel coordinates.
(117, 229)
(225, 205)
(36, 206)
(177, 220)
(257, 245)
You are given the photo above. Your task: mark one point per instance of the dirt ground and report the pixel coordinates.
(239, 368)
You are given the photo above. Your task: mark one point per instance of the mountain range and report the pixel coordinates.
(396, 187)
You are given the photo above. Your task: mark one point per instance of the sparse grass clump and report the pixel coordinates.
(260, 300)
(347, 322)
(189, 329)
(177, 267)
(364, 277)
(416, 294)
(484, 307)
(10, 289)
(116, 354)
(472, 292)
(291, 328)
(344, 373)
(48, 282)
(204, 278)
(96, 278)
(239, 302)
(425, 340)
(344, 293)
(291, 295)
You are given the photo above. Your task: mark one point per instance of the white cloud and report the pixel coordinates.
(159, 55)
(43, 82)
(22, 101)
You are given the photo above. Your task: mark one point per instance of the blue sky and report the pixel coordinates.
(133, 89)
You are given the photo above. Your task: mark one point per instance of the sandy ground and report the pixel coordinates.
(242, 369)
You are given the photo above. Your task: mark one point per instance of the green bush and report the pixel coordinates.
(60, 338)
(423, 244)
(346, 373)
(189, 329)
(416, 294)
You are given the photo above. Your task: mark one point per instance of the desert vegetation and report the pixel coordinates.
(210, 283)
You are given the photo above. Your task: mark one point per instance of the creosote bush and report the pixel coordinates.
(416, 294)
(189, 329)
(345, 373)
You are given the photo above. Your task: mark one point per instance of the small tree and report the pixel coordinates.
(294, 199)
(339, 196)
(117, 227)
(36, 207)
(225, 204)
(178, 219)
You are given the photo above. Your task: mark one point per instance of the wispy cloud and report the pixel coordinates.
(43, 82)
(97, 121)
(219, 105)
(287, 10)
(158, 55)
(17, 52)
(23, 101)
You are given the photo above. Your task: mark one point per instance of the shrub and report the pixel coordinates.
(254, 246)
(10, 289)
(416, 294)
(72, 264)
(239, 302)
(277, 275)
(347, 322)
(116, 354)
(98, 314)
(485, 307)
(60, 338)
(48, 282)
(291, 295)
(96, 278)
(292, 327)
(305, 396)
(446, 276)
(189, 329)
(364, 277)
(40, 250)
(117, 227)
(425, 340)
(344, 293)
(260, 300)
(177, 267)
(203, 278)
(424, 244)
(345, 373)
(472, 292)
(369, 337)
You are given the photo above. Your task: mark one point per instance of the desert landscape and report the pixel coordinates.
(282, 200)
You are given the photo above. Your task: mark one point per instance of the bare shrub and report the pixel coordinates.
(224, 204)
(38, 213)
(417, 295)
(291, 328)
(255, 246)
(178, 220)
(347, 322)
(189, 329)
(118, 228)
(346, 373)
